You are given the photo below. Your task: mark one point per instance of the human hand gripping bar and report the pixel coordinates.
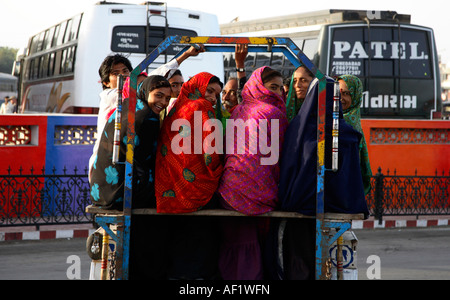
(118, 123)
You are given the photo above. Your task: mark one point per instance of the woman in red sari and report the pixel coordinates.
(187, 175)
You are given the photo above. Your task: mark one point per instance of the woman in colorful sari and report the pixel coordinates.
(351, 97)
(343, 190)
(250, 183)
(107, 182)
(187, 175)
(108, 178)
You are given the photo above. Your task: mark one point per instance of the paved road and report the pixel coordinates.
(405, 254)
(410, 253)
(44, 259)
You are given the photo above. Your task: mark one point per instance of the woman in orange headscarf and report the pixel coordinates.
(187, 174)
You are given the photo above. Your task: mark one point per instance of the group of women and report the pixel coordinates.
(185, 247)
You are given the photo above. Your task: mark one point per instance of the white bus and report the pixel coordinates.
(397, 61)
(60, 68)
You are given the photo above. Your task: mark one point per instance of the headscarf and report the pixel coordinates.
(126, 85)
(107, 183)
(187, 182)
(292, 103)
(352, 116)
(247, 185)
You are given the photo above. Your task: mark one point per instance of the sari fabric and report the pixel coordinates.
(186, 182)
(343, 190)
(290, 252)
(107, 181)
(352, 116)
(246, 185)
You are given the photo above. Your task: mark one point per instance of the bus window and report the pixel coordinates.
(56, 35)
(262, 59)
(67, 36)
(75, 27)
(49, 38)
(310, 48)
(277, 60)
(298, 42)
(393, 51)
(33, 45)
(51, 64)
(68, 60)
(40, 45)
(43, 66)
(173, 49)
(63, 61)
(131, 38)
(250, 61)
(419, 63)
(128, 39)
(347, 53)
(228, 61)
(288, 68)
(57, 63)
(34, 68)
(62, 31)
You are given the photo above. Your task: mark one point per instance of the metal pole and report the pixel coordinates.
(339, 259)
(104, 267)
(118, 124)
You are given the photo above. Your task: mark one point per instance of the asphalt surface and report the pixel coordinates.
(405, 254)
(386, 254)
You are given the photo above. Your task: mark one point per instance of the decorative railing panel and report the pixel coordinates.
(44, 199)
(409, 195)
(48, 199)
(387, 136)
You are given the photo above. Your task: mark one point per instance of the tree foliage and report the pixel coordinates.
(7, 57)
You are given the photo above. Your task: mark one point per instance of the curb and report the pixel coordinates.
(45, 234)
(84, 233)
(373, 224)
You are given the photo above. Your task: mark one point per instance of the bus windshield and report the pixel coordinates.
(395, 63)
(385, 51)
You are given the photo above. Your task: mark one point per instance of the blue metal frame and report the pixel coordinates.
(223, 44)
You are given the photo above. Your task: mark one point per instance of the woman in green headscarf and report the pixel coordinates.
(351, 97)
(298, 89)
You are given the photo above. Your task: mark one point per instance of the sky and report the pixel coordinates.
(19, 19)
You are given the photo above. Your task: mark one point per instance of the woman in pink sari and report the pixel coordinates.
(249, 183)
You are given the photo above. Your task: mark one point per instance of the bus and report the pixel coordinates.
(396, 60)
(8, 86)
(59, 71)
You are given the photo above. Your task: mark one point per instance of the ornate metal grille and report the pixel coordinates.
(44, 199)
(419, 136)
(409, 195)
